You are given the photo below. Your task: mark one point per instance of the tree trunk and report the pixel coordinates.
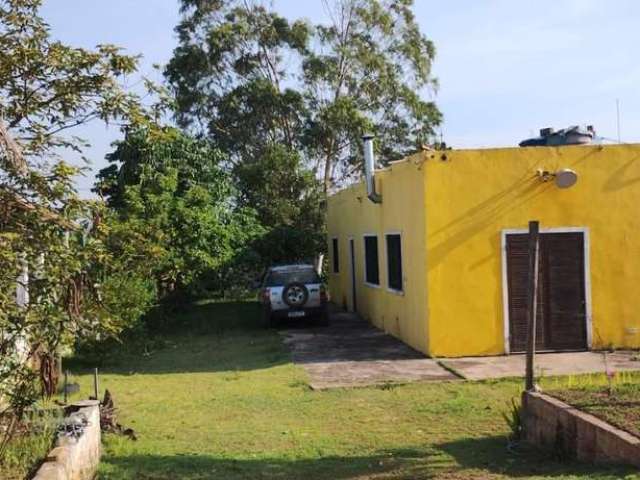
(327, 175)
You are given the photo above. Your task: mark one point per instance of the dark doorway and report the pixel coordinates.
(352, 254)
(561, 319)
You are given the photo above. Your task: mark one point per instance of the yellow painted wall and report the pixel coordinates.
(351, 214)
(452, 213)
(475, 194)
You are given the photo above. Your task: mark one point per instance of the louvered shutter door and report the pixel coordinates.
(561, 310)
(517, 272)
(566, 307)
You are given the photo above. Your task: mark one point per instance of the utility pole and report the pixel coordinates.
(532, 300)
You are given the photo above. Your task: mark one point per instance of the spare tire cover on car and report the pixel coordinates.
(295, 294)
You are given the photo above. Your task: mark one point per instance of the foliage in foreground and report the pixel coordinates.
(53, 245)
(26, 450)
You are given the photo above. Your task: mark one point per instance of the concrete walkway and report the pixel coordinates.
(352, 353)
(546, 364)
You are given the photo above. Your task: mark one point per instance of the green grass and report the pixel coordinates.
(222, 400)
(25, 451)
(617, 402)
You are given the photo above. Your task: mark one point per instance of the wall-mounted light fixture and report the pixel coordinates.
(564, 178)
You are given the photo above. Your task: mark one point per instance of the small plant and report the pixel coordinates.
(513, 418)
(299, 384)
(610, 373)
(387, 386)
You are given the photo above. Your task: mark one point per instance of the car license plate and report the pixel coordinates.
(296, 314)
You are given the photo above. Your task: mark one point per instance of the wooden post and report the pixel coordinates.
(66, 387)
(532, 300)
(95, 384)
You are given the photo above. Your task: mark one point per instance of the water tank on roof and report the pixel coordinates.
(576, 135)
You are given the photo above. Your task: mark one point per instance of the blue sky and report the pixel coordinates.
(506, 68)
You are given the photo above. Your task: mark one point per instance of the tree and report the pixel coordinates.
(229, 75)
(176, 204)
(47, 88)
(53, 246)
(46, 229)
(248, 78)
(230, 79)
(367, 72)
(288, 202)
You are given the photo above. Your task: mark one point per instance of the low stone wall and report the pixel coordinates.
(75, 457)
(553, 425)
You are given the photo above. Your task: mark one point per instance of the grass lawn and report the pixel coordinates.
(590, 393)
(222, 400)
(25, 452)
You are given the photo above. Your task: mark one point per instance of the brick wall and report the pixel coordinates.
(553, 425)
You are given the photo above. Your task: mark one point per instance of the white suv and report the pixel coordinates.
(293, 291)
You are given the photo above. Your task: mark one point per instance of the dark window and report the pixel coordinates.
(336, 256)
(394, 261)
(279, 278)
(371, 260)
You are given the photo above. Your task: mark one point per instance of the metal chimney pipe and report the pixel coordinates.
(369, 168)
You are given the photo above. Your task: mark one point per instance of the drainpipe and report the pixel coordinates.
(369, 169)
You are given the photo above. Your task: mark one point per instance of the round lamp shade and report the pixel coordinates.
(566, 178)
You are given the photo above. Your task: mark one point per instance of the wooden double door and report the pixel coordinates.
(561, 304)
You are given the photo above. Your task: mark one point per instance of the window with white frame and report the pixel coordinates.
(394, 262)
(371, 269)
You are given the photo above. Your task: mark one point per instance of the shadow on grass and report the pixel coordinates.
(490, 454)
(203, 337)
(391, 464)
(213, 336)
(466, 459)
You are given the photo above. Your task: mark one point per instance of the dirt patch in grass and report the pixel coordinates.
(614, 399)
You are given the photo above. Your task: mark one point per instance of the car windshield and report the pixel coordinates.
(279, 278)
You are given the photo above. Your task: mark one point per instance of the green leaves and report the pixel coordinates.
(175, 203)
(47, 87)
(374, 64)
(288, 102)
(54, 245)
(248, 78)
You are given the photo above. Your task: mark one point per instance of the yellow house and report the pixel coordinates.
(441, 261)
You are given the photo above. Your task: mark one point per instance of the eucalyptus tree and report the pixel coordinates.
(235, 77)
(231, 75)
(368, 71)
(247, 77)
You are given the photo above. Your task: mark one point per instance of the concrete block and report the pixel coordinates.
(75, 458)
(553, 425)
